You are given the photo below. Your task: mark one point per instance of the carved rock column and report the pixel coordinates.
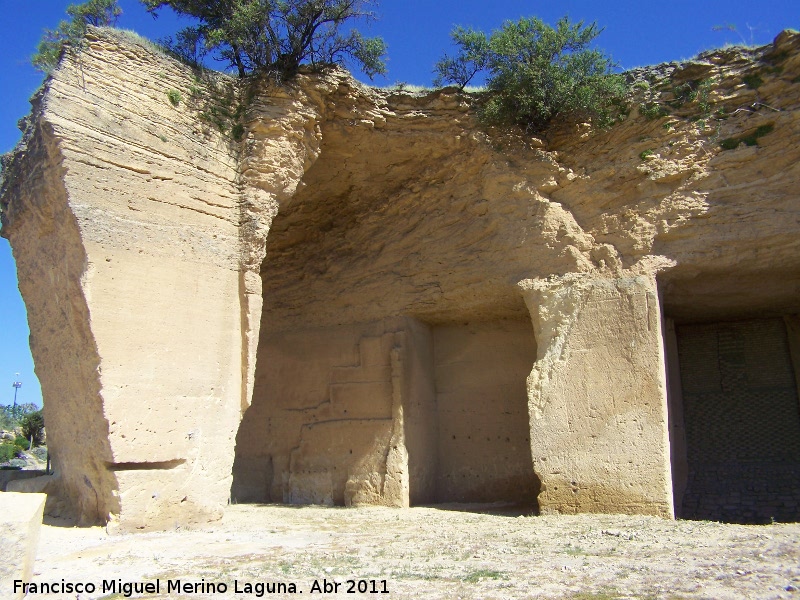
(597, 395)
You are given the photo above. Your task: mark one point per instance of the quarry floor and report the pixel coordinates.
(447, 552)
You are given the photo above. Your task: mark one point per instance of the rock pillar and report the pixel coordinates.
(138, 257)
(597, 395)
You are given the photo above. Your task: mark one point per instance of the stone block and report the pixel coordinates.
(7, 477)
(20, 522)
(599, 446)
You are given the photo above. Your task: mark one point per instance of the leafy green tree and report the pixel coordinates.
(536, 72)
(10, 416)
(26, 408)
(472, 59)
(32, 426)
(8, 451)
(7, 418)
(71, 32)
(275, 36)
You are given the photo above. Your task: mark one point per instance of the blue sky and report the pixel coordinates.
(416, 31)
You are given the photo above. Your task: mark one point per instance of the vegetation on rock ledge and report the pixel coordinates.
(264, 36)
(71, 32)
(537, 73)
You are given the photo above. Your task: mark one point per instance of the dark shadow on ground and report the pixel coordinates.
(501, 509)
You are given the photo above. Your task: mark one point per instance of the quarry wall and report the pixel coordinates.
(398, 305)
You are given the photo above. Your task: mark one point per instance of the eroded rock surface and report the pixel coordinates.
(400, 306)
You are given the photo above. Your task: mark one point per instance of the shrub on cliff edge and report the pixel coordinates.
(257, 36)
(536, 73)
(71, 32)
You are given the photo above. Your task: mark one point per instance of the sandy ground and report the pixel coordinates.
(444, 552)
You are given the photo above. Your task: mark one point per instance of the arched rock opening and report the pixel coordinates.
(394, 343)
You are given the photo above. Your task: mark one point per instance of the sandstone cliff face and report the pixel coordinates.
(418, 309)
(127, 209)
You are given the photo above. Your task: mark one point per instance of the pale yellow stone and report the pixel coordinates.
(20, 522)
(367, 279)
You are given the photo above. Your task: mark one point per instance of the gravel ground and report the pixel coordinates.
(447, 552)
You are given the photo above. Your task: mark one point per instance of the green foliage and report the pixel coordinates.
(32, 426)
(22, 443)
(187, 45)
(7, 419)
(537, 73)
(8, 450)
(694, 90)
(646, 154)
(217, 101)
(195, 91)
(174, 97)
(10, 417)
(218, 104)
(257, 36)
(684, 93)
(748, 140)
(26, 408)
(652, 110)
(70, 32)
(237, 131)
(702, 95)
(473, 57)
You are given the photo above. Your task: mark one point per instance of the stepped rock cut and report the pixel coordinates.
(369, 299)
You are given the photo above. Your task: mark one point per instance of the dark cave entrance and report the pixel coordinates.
(733, 361)
(742, 422)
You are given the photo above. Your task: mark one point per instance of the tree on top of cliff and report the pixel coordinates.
(536, 72)
(257, 36)
(71, 32)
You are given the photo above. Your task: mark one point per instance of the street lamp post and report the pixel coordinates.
(16, 385)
